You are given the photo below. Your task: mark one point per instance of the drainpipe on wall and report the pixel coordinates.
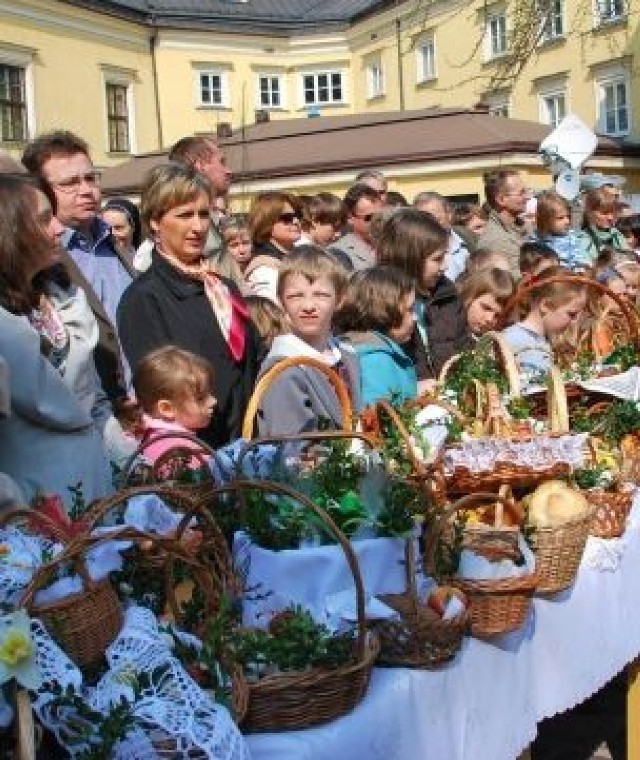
(153, 42)
(400, 72)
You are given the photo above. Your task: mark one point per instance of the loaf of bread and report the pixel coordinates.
(554, 503)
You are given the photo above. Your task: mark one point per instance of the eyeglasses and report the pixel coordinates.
(72, 184)
(365, 217)
(288, 218)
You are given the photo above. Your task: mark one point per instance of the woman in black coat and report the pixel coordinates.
(180, 300)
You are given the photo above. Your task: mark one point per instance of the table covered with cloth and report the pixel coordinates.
(487, 702)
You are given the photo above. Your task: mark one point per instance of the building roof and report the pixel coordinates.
(317, 146)
(283, 16)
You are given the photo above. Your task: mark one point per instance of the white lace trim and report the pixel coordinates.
(539, 453)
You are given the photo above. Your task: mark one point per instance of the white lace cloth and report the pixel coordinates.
(277, 579)
(23, 554)
(172, 709)
(539, 453)
(486, 703)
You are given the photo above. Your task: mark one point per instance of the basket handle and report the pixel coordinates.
(627, 312)
(508, 360)
(76, 551)
(26, 741)
(432, 474)
(203, 450)
(503, 351)
(241, 486)
(264, 383)
(171, 493)
(466, 503)
(419, 467)
(557, 405)
(427, 399)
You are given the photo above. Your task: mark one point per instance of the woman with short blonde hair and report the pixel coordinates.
(182, 300)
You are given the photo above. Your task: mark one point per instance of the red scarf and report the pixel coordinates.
(229, 308)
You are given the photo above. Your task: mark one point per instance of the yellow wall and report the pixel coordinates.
(464, 75)
(72, 51)
(181, 56)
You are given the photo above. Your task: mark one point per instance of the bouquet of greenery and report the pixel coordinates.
(349, 484)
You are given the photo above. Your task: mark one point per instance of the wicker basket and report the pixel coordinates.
(558, 554)
(84, 623)
(610, 512)
(197, 543)
(291, 701)
(429, 476)
(168, 467)
(463, 481)
(420, 638)
(417, 640)
(264, 383)
(493, 421)
(496, 606)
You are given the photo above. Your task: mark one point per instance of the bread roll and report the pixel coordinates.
(554, 504)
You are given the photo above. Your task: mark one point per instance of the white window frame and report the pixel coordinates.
(316, 73)
(615, 11)
(554, 28)
(549, 114)
(426, 58)
(212, 71)
(491, 51)
(22, 58)
(271, 76)
(498, 103)
(123, 78)
(602, 83)
(376, 84)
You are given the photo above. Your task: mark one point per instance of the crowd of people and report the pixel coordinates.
(123, 327)
(117, 323)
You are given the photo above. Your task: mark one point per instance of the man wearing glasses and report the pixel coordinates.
(506, 199)
(94, 263)
(361, 203)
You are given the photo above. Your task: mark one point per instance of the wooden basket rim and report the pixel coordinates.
(264, 383)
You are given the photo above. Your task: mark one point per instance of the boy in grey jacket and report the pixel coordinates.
(310, 288)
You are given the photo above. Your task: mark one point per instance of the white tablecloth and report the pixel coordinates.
(487, 702)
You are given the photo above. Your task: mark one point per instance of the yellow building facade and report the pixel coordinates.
(64, 67)
(129, 86)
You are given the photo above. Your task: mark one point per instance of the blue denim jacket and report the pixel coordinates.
(100, 264)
